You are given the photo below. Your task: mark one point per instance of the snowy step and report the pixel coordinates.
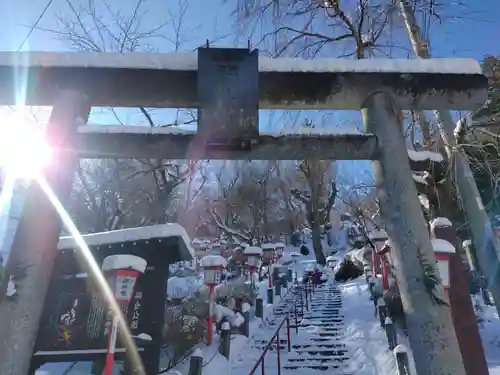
(319, 360)
(326, 344)
(317, 323)
(337, 354)
(317, 367)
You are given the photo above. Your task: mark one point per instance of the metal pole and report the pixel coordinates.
(487, 244)
(431, 332)
(35, 243)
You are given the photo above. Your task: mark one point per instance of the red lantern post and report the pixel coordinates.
(122, 272)
(269, 251)
(385, 268)
(443, 250)
(212, 273)
(254, 256)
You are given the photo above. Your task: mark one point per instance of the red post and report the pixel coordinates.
(210, 315)
(110, 355)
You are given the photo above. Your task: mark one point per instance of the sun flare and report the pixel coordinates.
(24, 151)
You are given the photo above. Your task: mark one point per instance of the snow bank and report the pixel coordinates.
(253, 250)
(123, 262)
(183, 287)
(442, 246)
(440, 222)
(425, 155)
(424, 201)
(365, 339)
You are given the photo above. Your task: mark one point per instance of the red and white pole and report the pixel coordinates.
(210, 315)
(110, 355)
(122, 271)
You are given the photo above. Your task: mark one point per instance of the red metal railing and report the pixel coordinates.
(305, 298)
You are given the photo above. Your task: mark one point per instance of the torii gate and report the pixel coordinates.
(228, 86)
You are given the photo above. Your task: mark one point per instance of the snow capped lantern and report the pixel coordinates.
(212, 268)
(268, 253)
(122, 272)
(254, 255)
(442, 250)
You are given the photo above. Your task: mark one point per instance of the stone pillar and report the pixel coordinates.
(34, 248)
(436, 353)
(462, 310)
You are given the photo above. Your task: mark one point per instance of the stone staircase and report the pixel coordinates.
(293, 298)
(319, 343)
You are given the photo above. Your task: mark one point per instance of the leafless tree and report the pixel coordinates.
(247, 201)
(110, 194)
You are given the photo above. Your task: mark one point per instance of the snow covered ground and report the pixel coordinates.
(490, 333)
(364, 336)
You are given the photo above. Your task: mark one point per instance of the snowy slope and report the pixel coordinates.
(364, 336)
(490, 333)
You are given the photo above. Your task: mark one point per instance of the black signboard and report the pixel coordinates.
(77, 316)
(74, 322)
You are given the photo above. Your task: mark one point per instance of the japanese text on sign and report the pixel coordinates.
(125, 287)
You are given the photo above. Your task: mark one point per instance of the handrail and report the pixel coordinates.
(268, 346)
(276, 335)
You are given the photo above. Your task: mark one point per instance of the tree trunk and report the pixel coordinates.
(317, 245)
(485, 240)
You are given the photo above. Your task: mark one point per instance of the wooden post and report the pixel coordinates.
(259, 308)
(35, 243)
(401, 354)
(196, 363)
(225, 340)
(390, 332)
(437, 353)
(245, 309)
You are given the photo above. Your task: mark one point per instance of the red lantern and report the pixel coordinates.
(442, 250)
(213, 265)
(253, 255)
(122, 272)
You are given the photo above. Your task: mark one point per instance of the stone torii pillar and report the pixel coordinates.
(35, 243)
(431, 332)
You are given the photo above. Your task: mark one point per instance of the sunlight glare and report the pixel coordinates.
(24, 151)
(95, 272)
